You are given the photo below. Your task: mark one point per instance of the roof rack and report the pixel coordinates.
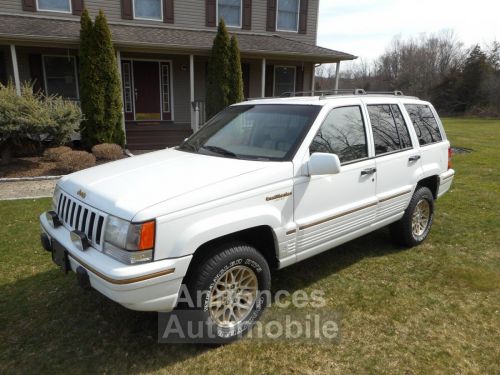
(323, 94)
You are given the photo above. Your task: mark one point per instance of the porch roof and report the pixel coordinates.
(29, 29)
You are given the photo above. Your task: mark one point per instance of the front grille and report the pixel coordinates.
(78, 216)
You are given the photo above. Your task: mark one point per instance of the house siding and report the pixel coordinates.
(187, 14)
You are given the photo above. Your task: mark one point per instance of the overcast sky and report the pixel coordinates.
(364, 28)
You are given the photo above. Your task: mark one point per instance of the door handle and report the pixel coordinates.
(368, 171)
(414, 158)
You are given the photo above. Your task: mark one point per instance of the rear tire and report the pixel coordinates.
(414, 227)
(234, 280)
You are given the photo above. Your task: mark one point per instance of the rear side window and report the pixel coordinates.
(425, 123)
(342, 133)
(390, 132)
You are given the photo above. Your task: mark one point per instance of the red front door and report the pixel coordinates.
(147, 90)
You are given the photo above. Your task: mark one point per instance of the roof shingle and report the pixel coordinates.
(28, 28)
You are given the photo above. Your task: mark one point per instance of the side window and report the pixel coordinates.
(342, 133)
(389, 129)
(404, 134)
(425, 123)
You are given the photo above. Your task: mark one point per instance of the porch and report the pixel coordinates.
(163, 71)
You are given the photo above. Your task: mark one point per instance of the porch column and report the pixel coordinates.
(194, 109)
(119, 63)
(337, 69)
(15, 68)
(263, 82)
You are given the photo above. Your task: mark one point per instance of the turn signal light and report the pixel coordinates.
(147, 238)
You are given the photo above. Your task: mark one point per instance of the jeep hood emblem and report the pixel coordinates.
(81, 193)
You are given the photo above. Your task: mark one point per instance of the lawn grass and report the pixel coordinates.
(431, 309)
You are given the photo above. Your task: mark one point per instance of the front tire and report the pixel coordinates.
(234, 281)
(414, 227)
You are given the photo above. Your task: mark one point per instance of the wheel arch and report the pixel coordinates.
(262, 238)
(432, 183)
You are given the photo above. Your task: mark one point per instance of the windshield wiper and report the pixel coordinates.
(220, 151)
(187, 145)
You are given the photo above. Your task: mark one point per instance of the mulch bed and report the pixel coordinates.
(32, 167)
(29, 167)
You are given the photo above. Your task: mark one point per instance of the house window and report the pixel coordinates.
(230, 10)
(54, 5)
(284, 80)
(127, 88)
(148, 10)
(287, 15)
(60, 76)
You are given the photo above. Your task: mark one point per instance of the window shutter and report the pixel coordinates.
(77, 7)
(299, 79)
(304, 4)
(127, 13)
(269, 81)
(36, 72)
(271, 15)
(29, 5)
(246, 22)
(168, 11)
(210, 13)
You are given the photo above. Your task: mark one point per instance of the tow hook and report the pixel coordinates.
(83, 278)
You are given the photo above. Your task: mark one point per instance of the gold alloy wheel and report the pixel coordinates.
(420, 218)
(233, 296)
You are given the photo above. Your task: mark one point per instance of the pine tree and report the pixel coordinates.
(236, 76)
(219, 69)
(100, 85)
(107, 71)
(91, 95)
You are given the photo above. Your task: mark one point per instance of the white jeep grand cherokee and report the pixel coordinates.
(264, 184)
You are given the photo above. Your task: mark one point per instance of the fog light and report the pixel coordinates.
(53, 219)
(80, 240)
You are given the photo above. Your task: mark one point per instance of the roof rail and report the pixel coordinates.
(326, 93)
(323, 92)
(395, 93)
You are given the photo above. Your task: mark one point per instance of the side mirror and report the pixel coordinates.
(322, 164)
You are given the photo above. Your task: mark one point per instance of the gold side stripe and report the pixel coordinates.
(395, 196)
(122, 281)
(336, 216)
(291, 232)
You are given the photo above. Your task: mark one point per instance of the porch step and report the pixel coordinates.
(156, 136)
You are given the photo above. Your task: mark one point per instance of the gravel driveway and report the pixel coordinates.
(26, 189)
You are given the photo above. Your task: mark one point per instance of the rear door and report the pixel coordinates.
(396, 158)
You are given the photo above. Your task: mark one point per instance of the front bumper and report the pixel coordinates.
(151, 286)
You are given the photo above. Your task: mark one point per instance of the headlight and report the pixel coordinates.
(129, 243)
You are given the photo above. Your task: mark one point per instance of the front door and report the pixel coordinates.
(147, 90)
(329, 208)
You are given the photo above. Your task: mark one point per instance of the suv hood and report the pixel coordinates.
(125, 187)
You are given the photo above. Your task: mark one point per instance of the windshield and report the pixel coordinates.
(254, 132)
